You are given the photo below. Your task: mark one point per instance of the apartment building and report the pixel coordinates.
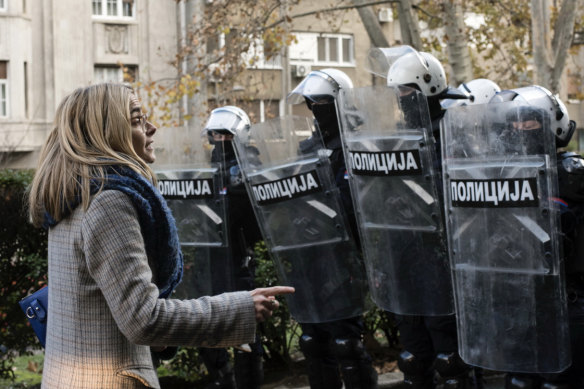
(50, 47)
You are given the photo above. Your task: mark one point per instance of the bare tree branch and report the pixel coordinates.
(563, 35)
(325, 10)
(409, 25)
(270, 11)
(550, 54)
(371, 24)
(422, 10)
(510, 12)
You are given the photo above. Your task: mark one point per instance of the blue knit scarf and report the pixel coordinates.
(156, 222)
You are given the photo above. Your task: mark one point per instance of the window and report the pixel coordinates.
(261, 110)
(256, 56)
(128, 8)
(108, 74)
(3, 5)
(113, 8)
(3, 89)
(269, 109)
(323, 49)
(113, 73)
(215, 43)
(337, 49)
(97, 7)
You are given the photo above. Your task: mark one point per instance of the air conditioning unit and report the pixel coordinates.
(385, 15)
(301, 70)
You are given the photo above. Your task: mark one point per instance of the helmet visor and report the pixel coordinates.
(379, 60)
(224, 122)
(317, 87)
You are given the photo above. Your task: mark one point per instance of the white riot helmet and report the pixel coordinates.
(479, 91)
(320, 86)
(538, 96)
(227, 120)
(421, 71)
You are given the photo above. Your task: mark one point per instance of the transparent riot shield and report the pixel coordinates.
(503, 230)
(299, 209)
(194, 195)
(390, 153)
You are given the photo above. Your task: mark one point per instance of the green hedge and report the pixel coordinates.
(23, 267)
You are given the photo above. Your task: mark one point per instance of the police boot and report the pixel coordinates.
(357, 371)
(455, 373)
(418, 373)
(520, 382)
(323, 372)
(249, 371)
(222, 378)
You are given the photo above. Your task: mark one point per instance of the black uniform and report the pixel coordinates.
(328, 345)
(243, 234)
(430, 343)
(571, 203)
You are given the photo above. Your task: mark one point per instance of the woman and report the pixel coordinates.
(114, 255)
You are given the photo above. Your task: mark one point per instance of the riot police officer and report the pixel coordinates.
(243, 233)
(542, 106)
(328, 345)
(429, 342)
(478, 91)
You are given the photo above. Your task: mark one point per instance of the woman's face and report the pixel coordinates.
(142, 131)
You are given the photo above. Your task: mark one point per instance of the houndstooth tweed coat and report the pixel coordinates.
(104, 310)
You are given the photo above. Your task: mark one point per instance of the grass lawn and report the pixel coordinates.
(28, 372)
(27, 369)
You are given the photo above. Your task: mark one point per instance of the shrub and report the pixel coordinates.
(280, 333)
(23, 267)
(185, 367)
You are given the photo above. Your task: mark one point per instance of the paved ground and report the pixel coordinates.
(393, 380)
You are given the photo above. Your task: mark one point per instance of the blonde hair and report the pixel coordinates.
(92, 130)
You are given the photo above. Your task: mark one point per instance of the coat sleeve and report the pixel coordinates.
(116, 258)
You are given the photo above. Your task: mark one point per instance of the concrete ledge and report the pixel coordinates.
(387, 380)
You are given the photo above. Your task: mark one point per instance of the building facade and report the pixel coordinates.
(50, 47)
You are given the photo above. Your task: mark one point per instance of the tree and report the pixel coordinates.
(549, 54)
(510, 42)
(371, 24)
(226, 39)
(23, 267)
(456, 38)
(409, 24)
(222, 40)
